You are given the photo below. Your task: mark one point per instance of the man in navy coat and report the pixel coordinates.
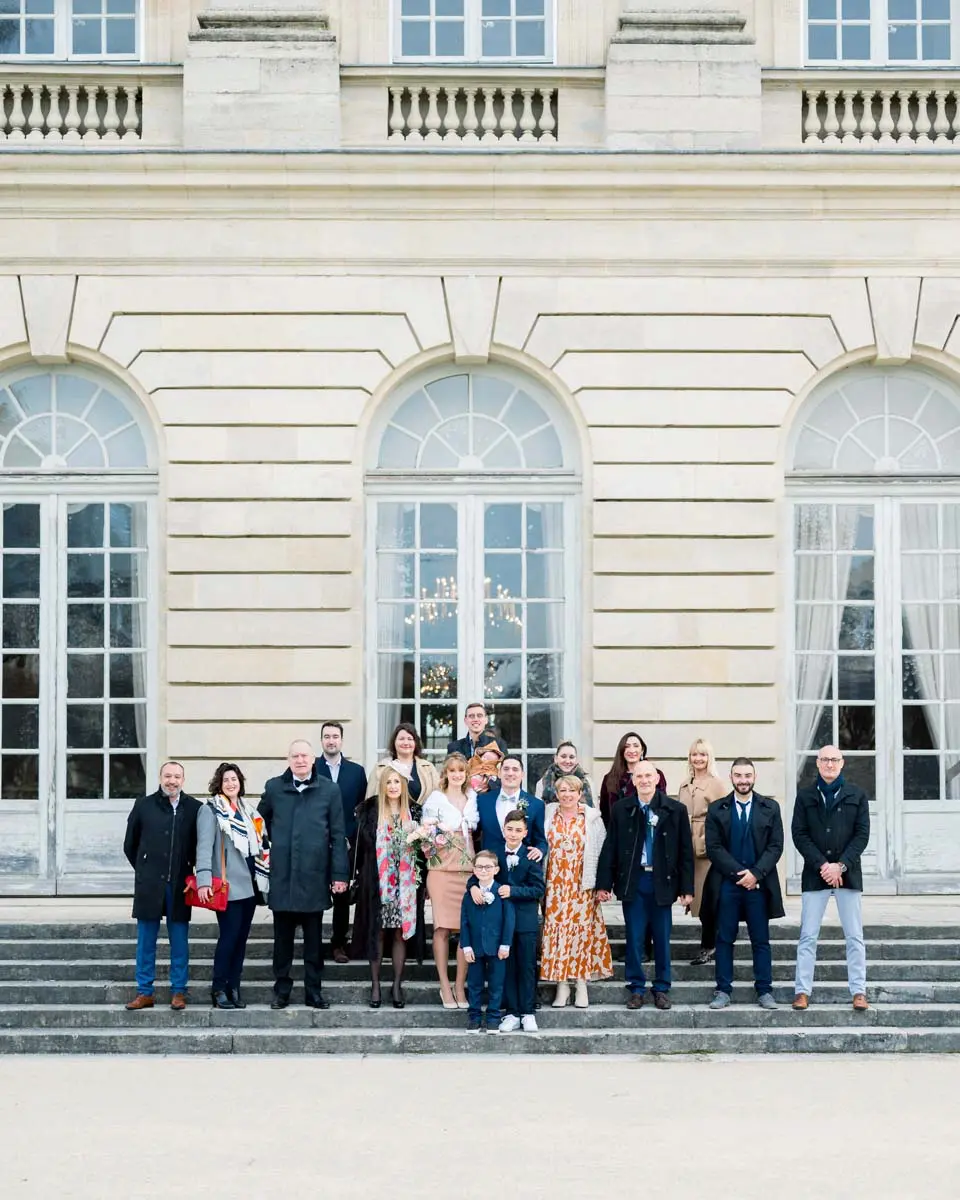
(351, 779)
(478, 733)
(494, 805)
(486, 934)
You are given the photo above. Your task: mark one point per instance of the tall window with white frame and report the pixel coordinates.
(880, 31)
(76, 487)
(473, 534)
(474, 30)
(69, 29)
(876, 607)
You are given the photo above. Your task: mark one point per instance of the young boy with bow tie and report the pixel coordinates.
(522, 885)
(486, 933)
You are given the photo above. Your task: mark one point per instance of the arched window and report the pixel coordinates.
(77, 477)
(875, 485)
(473, 536)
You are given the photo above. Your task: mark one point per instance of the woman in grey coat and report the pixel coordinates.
(230, 844)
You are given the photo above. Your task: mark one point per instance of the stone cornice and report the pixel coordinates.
(262, 26)
(683, 26)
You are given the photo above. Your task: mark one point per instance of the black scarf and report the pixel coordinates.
(830, 791)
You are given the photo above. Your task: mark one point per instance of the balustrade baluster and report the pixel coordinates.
(811, 126)
(395, 120)
(528, 122)
(886, 125)
(471, 118)
(848, 120)
(18, 118)
(72, 118)
(54, 115)
(488, 121)
(923, 124)
(868, 122)
(941, 122)
(432, 121)
(904, 122)
(35, 120)
(111, 119)
(831, 125)
(548, 123)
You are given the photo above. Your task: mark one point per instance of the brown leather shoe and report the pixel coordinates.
(178, 1001)
(860, 1002)
(139, 1002)
(801, 1001)
(662, 1001)
(636, 1000)
(341, 956)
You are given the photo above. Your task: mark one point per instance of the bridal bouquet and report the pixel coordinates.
(433, 839)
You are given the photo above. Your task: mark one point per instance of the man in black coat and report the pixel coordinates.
(831, 828)
(478, 733)
(303, 813)
(744, 834)
(161, 846)
(351, 779)
(647, 859)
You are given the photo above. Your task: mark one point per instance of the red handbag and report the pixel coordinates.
(220, 893)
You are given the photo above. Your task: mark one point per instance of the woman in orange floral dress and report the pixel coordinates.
(575, 944)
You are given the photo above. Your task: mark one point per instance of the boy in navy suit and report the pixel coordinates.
(523, 887)
(486, 932)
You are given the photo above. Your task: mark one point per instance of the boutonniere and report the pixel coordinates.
(654, 820)
(522, 806)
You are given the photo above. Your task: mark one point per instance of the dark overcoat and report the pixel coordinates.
(766, 826)
(161, 846)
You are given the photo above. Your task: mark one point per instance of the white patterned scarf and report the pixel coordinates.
(245, 829)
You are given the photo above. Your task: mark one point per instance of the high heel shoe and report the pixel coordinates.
(562, 998)
(582, 998)
(397, 997)
(449, 1005)
(375, 1000)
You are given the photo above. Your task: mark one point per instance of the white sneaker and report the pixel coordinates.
(509, 1024)
(529, 1023)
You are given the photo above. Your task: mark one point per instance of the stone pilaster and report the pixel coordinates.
(261, 77)
(683, 79)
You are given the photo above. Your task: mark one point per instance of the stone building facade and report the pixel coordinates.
(362, 359)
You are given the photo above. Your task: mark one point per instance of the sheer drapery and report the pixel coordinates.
(818, 613)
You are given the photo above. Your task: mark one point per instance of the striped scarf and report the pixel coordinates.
(553, 773)
(245, 829)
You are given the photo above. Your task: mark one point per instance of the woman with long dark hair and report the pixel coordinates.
(405, 754)
(618, 781)
(231, 844)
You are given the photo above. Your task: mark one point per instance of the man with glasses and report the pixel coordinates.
(831, 828)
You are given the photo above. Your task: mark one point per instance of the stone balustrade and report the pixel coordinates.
(93, 105)
(852, 111)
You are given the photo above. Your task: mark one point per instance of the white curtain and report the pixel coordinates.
(139, 528)
(818, 622)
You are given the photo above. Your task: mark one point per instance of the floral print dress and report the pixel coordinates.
(575, 943)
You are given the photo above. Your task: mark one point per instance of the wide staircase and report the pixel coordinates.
(63, 987)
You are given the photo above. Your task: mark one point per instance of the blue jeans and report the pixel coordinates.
(640, 914)
(737, 904)
(232, 943)
(491, 971)
(812, 909)
(179, 934)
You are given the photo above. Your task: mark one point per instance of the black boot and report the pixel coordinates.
(234, 994)
(222, 1000)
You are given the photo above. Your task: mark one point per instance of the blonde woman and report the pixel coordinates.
(386, 877)
(699, 790)
(453, 809)
(405, 754)
(575, 944)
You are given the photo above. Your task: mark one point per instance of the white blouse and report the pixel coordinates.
(438, 808)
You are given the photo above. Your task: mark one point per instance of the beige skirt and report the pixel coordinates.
(446, 889)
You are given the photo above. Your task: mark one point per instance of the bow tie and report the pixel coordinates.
(512, 859)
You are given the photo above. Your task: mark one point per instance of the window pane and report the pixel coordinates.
(449, 8)
(21, 626)
(544, 526)
(20, 727)
(21, 576)
(84, 675)
(822, 9)
(415, 8)
(396, 526)
(902, 42)
(396, 626)
(84, 776)
(438, 626)
(438, 526)
(502, 526)
(86, 36)
(127, 776)
(121, 37)
(855, 677)
(544, 725)
(921, 777)
(935, 41)
(21, 676)
(396, 579)
(127, 723)
(496, 39)
(856, 629)
(855, 10)
(84, 726)
(856, 727)
(438, 677)
(502, 576)
(531, 39)
(917, 731)
(855, 42)
(449, 39)
(531, 8)
(39, 37)
(496, 8)
(503, 677)
(128, 675)
(9, 45)
(85, 625)
(20, 777)
(85, 574)
(821, 43)
(21, 526)
(862, 772)
(84, 525)
(545, 675)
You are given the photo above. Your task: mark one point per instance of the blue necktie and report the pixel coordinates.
(743, 815)
(648, 841)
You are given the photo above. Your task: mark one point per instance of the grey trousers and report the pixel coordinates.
(814, 905)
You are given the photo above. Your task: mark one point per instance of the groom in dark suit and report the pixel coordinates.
(494, 805)
(744, 834)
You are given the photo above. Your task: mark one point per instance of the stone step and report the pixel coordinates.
(118, 991)
(743, 1014)
(124, 949)
(849, 1038)
(684, 930)
(259, 970)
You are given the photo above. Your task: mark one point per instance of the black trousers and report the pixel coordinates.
(520, 984)
(708, 929)
(341, 911)
(232, 943)
(284, 930)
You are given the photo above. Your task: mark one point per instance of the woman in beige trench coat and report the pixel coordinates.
(698, 791)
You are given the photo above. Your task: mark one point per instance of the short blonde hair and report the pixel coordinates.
(487, 856)
(571, 781)
(704, 745)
